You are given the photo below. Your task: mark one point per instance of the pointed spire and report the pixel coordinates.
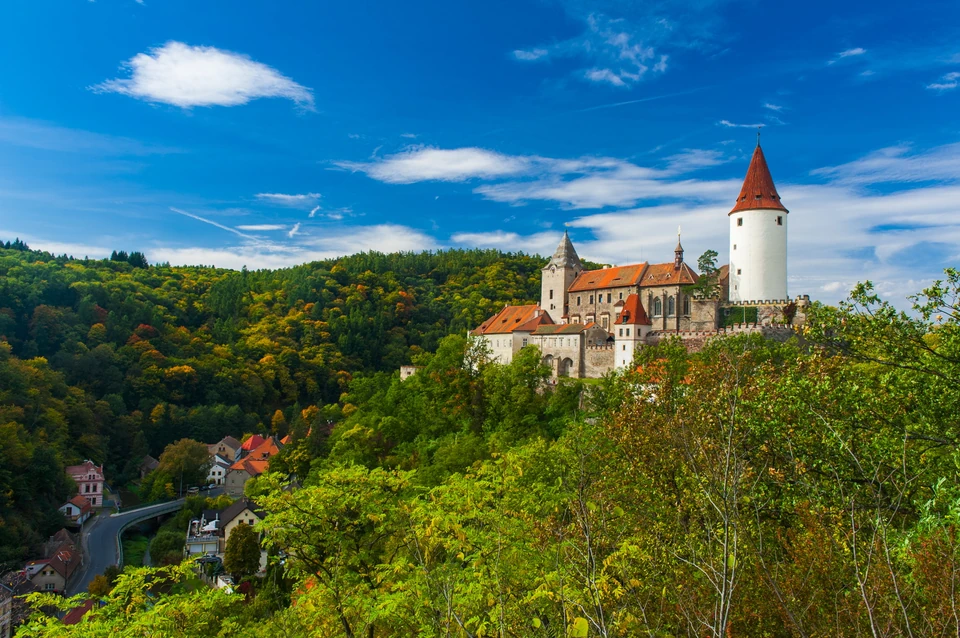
(566, 255)
(758, 190)
(678, 252)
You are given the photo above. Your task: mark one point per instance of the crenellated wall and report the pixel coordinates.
(598, 360)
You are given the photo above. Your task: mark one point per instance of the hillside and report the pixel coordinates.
(110, 360)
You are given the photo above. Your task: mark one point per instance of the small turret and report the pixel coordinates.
(678, 252)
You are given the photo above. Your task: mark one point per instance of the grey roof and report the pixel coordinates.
(231, 512)
(566, 255)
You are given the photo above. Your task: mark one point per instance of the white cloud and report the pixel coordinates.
(188, 76)
(211, 222)
(537, 243)
(261, 227)
(294, 231)
(529, 55)
(730, 124)
(409, 136)
(55, 247)
(604, 75)
(947, 82)
(772, 107)
(434, 164)
(898, 164)
(314, 210)
(294, 201)
(851, 52)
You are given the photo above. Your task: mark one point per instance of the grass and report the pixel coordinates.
(134, 549)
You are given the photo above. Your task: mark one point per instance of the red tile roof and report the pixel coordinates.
(253, 442)
(543, 319)
(758, 190)
(77, 613)
(633, 313)
(82, 504)
(258, 460)
(668, 275)
(608, 277)
(508, 320)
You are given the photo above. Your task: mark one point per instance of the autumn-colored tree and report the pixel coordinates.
(186, 462)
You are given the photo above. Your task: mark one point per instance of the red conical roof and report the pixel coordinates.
(633, 313)
(758, 190)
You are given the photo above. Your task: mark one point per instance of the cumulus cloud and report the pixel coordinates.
(189, 76)
(435, 164)
(303, 200)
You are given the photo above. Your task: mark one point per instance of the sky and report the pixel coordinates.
(267, 134)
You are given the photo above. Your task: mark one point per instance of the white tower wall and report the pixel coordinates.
(758, 255)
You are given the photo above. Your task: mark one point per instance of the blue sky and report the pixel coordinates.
(268, 134)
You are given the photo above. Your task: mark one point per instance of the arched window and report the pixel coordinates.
(671, 306)
(686, 306)
(657, 308)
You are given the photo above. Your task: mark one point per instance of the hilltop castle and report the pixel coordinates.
(589, 322)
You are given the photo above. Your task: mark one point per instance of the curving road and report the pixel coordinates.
(100, 540)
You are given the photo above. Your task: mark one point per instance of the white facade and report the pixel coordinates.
(627, 339)
(758, 255)
(218, 470)
(504, 345)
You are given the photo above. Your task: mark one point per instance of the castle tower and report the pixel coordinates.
(758, 237)
(630, 331)
(558, 274)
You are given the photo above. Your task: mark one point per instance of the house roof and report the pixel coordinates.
(230, 442)
(253, 442)
(149, 463)
(85, 468)
(608, 277)
(253, 468)
(668, 275)
(633, 313)
(564, 328)
(286, 440)
(81, 503)
(508, 319)
(77, 613)
(758, 189)
(540, 320)
(235, 508)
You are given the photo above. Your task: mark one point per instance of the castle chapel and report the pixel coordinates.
(589, 322)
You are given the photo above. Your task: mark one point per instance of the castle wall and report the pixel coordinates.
(598, 304)
(704, 315)
(558, 348)
(598, 361)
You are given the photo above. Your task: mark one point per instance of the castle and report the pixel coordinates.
(589, 322)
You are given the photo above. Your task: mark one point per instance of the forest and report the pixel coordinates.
(753, 488)
(113, 359)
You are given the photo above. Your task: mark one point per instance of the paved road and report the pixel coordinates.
(100, 541)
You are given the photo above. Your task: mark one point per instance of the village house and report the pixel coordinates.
(251, 464)
(226, 448)
(219, 467)
(14, 611)
(147, 465)
(89, 480)
(77, 510)
(51, 574)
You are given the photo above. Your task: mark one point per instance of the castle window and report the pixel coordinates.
(624, 347)
(552, 307)
(621, 332)
(686, 306)
(734, 246)
(551, 294)
(591, 298)
(657, 307)
(739, 221)
(576, 320)
(609, 297)
(671, 306)
(628, 332)
(738, 271)
(621, 296)
(578, 300)
(524, 344)
(779, 220)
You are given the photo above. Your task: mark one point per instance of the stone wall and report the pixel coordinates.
(703, 315)
(597, 361)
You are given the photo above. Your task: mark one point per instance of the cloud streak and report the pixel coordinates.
(303, 200)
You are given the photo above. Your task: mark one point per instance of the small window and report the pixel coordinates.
(734, 246)
(738, 271)
(609, 297)
(591, 298)
(624, 347)
(628, 332)
(686, 306)
(524, 343)
(621, 296)
(779, 220)
(578, 300)
(671, 306)
(621, 332)
(552, 307)
(551, 294)
(739, 221)
(657, 307)
(48, 586)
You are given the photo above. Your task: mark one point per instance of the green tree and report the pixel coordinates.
(242, 555)
(186, 462)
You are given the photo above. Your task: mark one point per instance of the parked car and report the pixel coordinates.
(193, 491)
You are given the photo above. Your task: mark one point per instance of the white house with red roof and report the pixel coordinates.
(89, 479)
(77, 510)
